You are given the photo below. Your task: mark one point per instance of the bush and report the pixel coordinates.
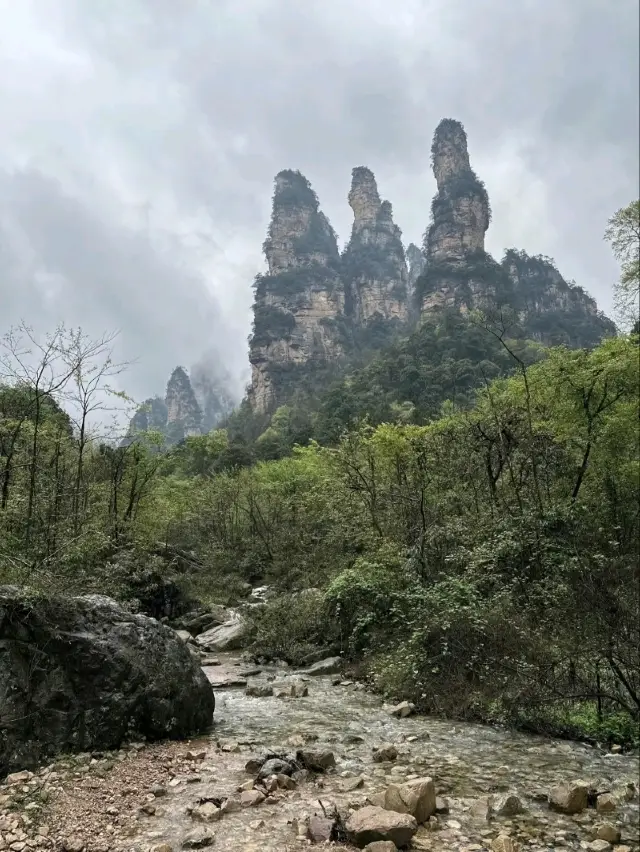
(294, 627)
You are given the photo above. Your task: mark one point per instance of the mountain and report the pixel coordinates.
(318, 312)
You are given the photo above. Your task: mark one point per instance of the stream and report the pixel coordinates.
(466, 761)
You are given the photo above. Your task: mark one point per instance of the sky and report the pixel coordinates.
(139, 141)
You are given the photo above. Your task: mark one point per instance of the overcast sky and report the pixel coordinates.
(139, 140)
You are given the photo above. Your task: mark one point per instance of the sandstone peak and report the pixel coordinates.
(299, 234)
(449, 152)
(364, 198)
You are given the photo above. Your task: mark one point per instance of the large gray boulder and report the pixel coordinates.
(79, 674)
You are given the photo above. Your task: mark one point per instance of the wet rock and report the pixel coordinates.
(385, 752)
(275, 766)
(370, 824)
(158, 791)
(402, 710)
(320, 829)
(508, 805)
(569, 798)
(207, 812)
(316, 761)
(606, 803)
(607, 831)
(256, 689)
(201, 838)
(331, 665)
(417, 798)
(352, 784)
(504, 843)
(196, 755)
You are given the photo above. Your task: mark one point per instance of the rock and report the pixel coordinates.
(352, 784)
(201, 838)
(331, 665)
(320, 829)
(230, 805)
(158, 791)
(162, 847)
(607, 831)
(256, 689)
(503, 843)
(184, 635)
(417, 798)
(80, 673)
(251, 798)
(275, 766)
(73, 844)
(371, 823)
(599, 846)
(207, 812)
(316, 761)
(385, 752)
(381, 846)
(196, 755)
(230, 636)
(402, 710)
(569, 798)
(508, 805)
(606, 803)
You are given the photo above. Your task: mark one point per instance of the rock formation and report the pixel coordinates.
(82, 674)
(300, 301)
(457, 268)
(374, 268)
(551, 309)
(184, 416)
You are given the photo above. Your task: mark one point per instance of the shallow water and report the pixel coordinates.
(466, 761)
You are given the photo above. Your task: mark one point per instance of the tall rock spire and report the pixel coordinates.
(298, 302)
(373, 263)
(460, 215)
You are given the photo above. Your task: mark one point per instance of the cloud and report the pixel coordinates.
(141, 137)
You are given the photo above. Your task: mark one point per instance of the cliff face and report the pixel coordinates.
(374, 267)
(299, 303)
(551, 309)
(184, 416)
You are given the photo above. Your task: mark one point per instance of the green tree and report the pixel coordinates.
(623, 232)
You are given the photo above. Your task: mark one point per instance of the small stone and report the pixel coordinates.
(73, 844)
(316, 761)
(381, 846)
(196, 755)
(256, 689)
(320, 829)
(231, 805)
(417, 798)
(158, 791)
(352, 784)
(256, 824)
(503, 843)
(599, 846)
(482, 809)
(162, 847)
(606, 803)
(569, 798)
(251, 798)
(385, 752)
(508, 805)
(442, 806)
(609, 832)
(370, 824)
(148, 809)
(402, 710)
(199, 839)
(207, 812)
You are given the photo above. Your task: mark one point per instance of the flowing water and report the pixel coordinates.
(466, 762)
